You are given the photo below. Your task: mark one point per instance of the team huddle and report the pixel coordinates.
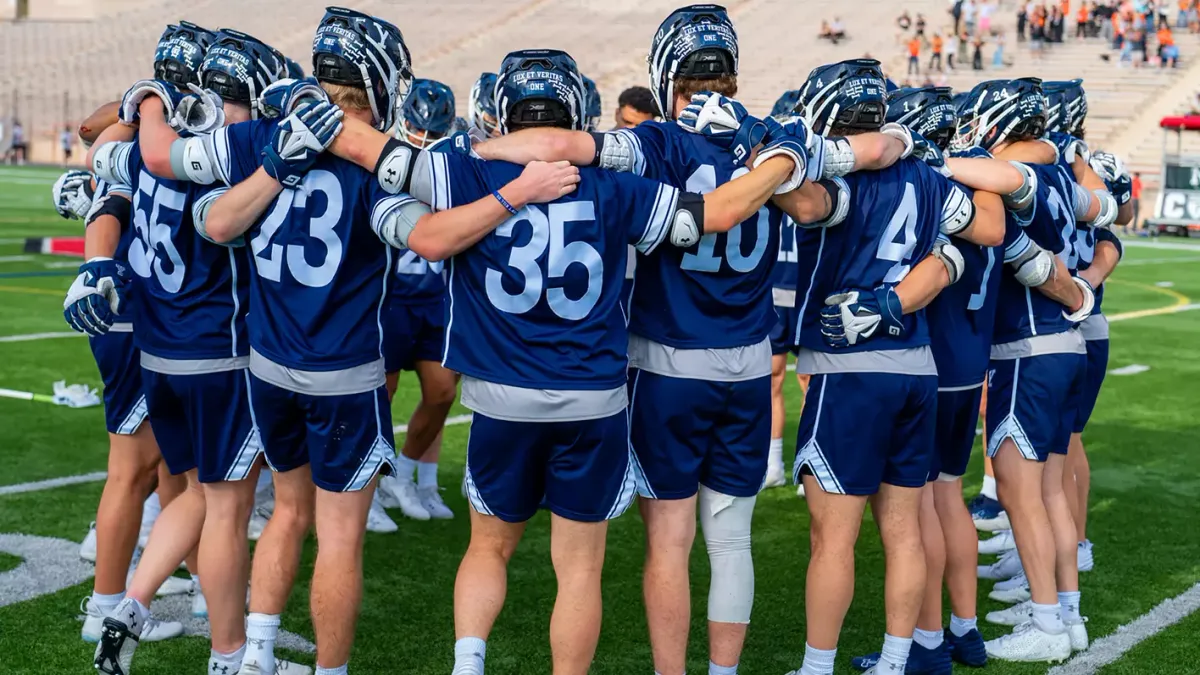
(266, 251)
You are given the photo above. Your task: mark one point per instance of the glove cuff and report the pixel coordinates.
(799, 167)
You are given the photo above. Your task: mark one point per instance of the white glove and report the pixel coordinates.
(71, 194)
(901, 132)
(133, 98)
(1089, 302)
(201, 113)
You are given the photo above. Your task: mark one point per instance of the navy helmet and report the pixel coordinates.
(592, 107)
(238, 67)
(849, 94)
(1001, 110)
(427, 113)
(357, 50)
(785, 106)
(460, 124)
(180, 53)
(929, 111)
(294, 71)
(1072, 101)
(697, 41)
(539, 88)
(481, 107)
(1056, 106)
(889, 85)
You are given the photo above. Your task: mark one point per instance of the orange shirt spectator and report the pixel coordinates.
(1165, 38)
(937, 44)
(1082, 17)
(914, 48)
(1136, 188)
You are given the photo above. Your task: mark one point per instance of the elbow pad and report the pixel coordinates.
(839, 194)
(395, 218)
(687, 225)
(1033, 266)
(110, 205)
(1108, 209)
(200, 211)
(1089, 302)
(395, 167)
(619, 151)
(958, 212)
(193, 159)
(1021, 199)
(110, 162)
(951, 257)
(1107, 235)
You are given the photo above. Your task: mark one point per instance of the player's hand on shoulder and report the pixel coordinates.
(457, 142)
(299, 139)
(72, 194)
(725, 123)
(283, 97)
(1089, 301)
(200, 112)
(900, 133)
(143, 89)
(97, 296)
(852, 317)
(542, 182)
(931, 154)
(787, 140)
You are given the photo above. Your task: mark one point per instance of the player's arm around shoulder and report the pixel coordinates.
(545, 145)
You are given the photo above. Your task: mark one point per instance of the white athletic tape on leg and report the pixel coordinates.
(725, 522)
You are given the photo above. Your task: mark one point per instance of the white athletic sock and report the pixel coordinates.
(107, 603)
(468, 656)
(989, 486)
(343, 669)
(775, 456)
(132, 613)
(961, 627)
(714, 669)
(894, 655)
(224, 664)
(426, 474)
(929, 639)
(196, 582)
(1048, 618)
(152, 503)
(264, 481)
(404, 467)
(818, 661)
(1068, 603)
(261, 631)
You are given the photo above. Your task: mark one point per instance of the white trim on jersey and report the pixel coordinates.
(813, 457)
(473, 494)
(1010, 426)
(628, 488)
(236, 305)
(247, 454)
(812, 279)
(376, 457)
(439, 176)
(665, 204)
(383, 298)
(450, 312)
(643, 484)
(137, 415)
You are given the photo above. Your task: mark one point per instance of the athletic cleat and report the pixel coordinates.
(800, 490)
(258, 522)
(1077, 631)
(378, 519)
(114, 652)
(921, 661)
(1012, 616)
(402, 493)
(1029, 643)
(152, 631)
(1086, 562)
(968, 649)
(988, 515)
(174, 586)
(776, 477)
(1012, 590)
(281, 668)
(431, 499)
(87, 550)
(1007, 567)
(199, 604)
(999, 543)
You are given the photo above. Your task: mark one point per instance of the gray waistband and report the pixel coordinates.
(735, 364)
(121, 327)
(914, 361)
(783, 297)
(1094, 328)
(630, 263)
(356, 380)
(1067, 342)
(193, 366)
(518, 404)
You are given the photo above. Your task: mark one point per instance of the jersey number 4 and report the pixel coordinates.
(549, 232)
(900, 237)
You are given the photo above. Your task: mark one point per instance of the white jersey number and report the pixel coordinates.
(894, 249)
(411, 263)
(153, 235)
(548, 233)
(705, 259)
(269, 258)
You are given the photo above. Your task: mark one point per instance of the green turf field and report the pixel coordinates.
(1142, 442)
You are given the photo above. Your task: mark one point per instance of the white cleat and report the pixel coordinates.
(281, 668)
(1007, 567)
(1078, 634)
(995, 545)
(1028, 643)
(402, 493)
(1012, 616)
(1012, 590)
(87, 550)
(258, 523)
(1000, 522)
(379, 521)
(431, 500)
(174, 586)
(1086, 562)
(800, 490)
(199, 604)
(776, 476)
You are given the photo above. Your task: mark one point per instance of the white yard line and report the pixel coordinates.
(1162, 245)
(1160, 261)
(52, 483)
(1112, 647)
(15, 258)
(30, 337)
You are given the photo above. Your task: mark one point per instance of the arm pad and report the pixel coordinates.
(113, 205)
(395, 167)
(1022, 198)
(110, 162)
(687, 225)
(839, 194)
(1032, 265)
(200, 218)
(1107, 235)
(958, 212)
(1108, 209)
(1089, 302)
(395, 218)
(951, 257)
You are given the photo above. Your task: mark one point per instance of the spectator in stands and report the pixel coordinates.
(904, 21)
(1193, 16)
(956, 12)
(825, 32)
(64, 141)
(985, 17)
(1037, 32)
(19, 149)
(977, 56)
(1056, 25)
(998, 54)
(935, 60)
(970, 10)
(634, 106)
(1022, 19)
(1167, 51)
(964, 45)
(1081, 21)
(951, 49)
(839, 29)
(1136, 193)
(914, 56)
(1162, 13)
(921, 28)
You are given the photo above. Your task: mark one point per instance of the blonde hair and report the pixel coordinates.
(725, 85)
(347, 97)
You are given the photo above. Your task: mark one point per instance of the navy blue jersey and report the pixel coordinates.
(1080, 249)
(534, 304)
(1025, 312)
(418, 280)
(963, 316)
(1083, 249)
(105, 187)
(783, 275)
(894, 218)
(320, 271)
(716, 294)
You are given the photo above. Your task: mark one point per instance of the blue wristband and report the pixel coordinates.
(504, 202)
